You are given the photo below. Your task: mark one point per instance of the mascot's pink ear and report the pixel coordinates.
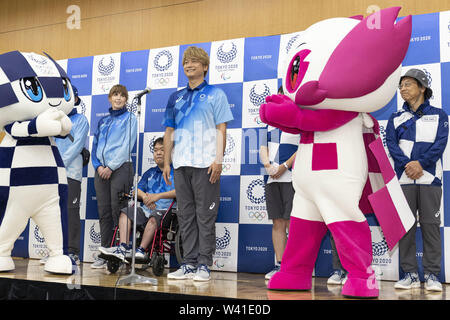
(358, 17)
(367, 55)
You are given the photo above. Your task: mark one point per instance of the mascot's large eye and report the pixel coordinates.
(297, 70)
(66, 89)
(31, 88)
(294, 71)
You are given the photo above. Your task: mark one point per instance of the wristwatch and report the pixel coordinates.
(285, 165)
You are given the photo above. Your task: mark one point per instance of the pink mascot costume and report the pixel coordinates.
(341, 69)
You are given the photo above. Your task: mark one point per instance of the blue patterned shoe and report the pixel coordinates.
(410, 280)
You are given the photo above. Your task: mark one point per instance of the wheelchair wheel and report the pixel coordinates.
(178, 247)
(158, 264)
(112, 266)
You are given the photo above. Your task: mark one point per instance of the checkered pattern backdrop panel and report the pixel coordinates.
(247, 69)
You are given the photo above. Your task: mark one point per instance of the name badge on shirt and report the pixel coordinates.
(430, 118)
(426, 128)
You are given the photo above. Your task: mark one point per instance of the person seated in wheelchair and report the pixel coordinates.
(156, 197)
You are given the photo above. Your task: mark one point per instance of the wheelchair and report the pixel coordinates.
(167, 239)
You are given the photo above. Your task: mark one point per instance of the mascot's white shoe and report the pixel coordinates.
(6, 264)
(59, 264)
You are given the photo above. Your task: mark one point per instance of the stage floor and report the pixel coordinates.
(223, 285)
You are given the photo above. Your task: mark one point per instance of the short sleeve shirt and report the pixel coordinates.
(152, 181)
(194, 114)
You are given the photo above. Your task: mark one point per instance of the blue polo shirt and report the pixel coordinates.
(152, 181)
(194, 114)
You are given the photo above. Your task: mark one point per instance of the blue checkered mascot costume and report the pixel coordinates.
(35, 98)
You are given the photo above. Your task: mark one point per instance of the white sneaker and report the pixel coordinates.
(337, 277)
(432, 282)
(186, 271)
(140, 254)
(117, 251)
(203, 273)
(271, 273)
(410, 280)
(99, 263)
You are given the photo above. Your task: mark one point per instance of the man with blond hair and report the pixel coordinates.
(196, 120)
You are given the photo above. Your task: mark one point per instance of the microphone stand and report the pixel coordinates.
(134, 278)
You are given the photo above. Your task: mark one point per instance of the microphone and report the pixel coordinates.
(143, 92)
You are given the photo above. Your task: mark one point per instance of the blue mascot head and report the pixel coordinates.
(29, 85)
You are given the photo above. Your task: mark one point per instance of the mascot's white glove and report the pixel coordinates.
(53, 122)
(66, 124)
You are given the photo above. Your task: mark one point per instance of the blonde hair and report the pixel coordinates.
(118, 88)
(196, 53)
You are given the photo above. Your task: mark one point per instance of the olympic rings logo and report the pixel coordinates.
(257, 215)
(41, 252)
(162, 81)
